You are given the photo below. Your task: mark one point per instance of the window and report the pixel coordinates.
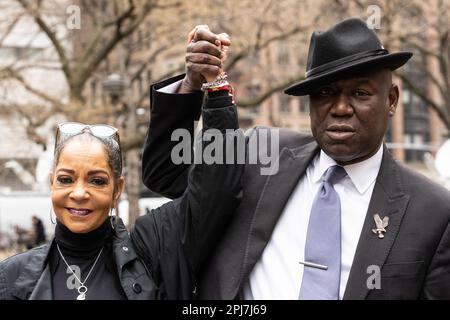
(283, 54)
(253, 90)
(304, 104)
(285, 103)
(20, 53)
(416, 123)
(406, 96)
(414, 152)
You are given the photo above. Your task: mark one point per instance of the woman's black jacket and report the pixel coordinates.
(163, 253)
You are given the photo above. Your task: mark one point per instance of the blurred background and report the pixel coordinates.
(92, 61)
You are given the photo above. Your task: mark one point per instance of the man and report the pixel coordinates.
(340, 219)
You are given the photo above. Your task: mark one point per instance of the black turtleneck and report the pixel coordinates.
(80, 251)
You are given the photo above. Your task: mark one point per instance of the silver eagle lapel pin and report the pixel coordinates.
(381, 225)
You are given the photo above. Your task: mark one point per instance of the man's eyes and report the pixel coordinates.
(361, 93)
(329, 91)
(326, 91)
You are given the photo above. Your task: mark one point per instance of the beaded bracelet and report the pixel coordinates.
(221, 80)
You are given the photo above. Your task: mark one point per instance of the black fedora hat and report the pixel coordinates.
(348, 47)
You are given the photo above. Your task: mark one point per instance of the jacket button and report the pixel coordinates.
(137, 287)
(125, 249)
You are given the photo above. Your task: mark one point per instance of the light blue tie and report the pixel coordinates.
(323, 241)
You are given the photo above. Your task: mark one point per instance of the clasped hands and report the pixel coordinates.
(206, 53)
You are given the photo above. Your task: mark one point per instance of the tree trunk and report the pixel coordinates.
(132, 162)
(133, 185)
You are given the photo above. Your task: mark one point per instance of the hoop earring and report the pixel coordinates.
(51, 216)
(111, 216)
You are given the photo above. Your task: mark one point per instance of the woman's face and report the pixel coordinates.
(82, 186)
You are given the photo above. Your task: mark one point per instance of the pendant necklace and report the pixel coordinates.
(82, 289)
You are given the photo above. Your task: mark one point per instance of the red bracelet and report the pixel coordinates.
(227, 87)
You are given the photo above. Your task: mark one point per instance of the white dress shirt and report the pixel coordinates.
(278, 274)
(171, 88)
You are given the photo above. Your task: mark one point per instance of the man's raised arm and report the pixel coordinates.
(175, 108)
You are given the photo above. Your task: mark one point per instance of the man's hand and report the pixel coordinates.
(205, 55)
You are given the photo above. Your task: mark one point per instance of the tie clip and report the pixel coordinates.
(314, 265)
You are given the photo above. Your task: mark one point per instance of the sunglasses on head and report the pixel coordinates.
(101, 131)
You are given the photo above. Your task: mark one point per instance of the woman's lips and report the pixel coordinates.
(79, 212)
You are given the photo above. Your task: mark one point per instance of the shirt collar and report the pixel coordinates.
(362, 174)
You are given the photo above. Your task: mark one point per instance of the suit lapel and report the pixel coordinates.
(388, 199)
(276, 192)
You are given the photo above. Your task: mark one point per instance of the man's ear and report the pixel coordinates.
(394, 94)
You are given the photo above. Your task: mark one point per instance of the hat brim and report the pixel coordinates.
(391, 61)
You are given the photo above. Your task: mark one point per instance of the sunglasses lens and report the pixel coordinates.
(71, 128)
(103, 131)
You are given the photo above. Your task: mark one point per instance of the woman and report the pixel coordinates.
(92, 256)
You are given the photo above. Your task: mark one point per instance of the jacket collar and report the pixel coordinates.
(34, 282)
(362, 174)
(43, 288)
(122, 246)
(33, 272)
(388, 199)
(124, 255)
(277, 189)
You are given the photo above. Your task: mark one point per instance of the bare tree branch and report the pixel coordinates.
(84, 71)
(268, 93)
(34, 122)
(167, 5)
(132, 142)
(10, 28)
(51, 35)
(146, 93)
(259, 30)
(419, 46)
(444, 60)
(235, 58)
(9, 73)
(441, 111)
(148, 61)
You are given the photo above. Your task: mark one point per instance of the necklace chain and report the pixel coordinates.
(73, 272)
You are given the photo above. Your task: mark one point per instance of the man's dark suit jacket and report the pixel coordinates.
(414, 255)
